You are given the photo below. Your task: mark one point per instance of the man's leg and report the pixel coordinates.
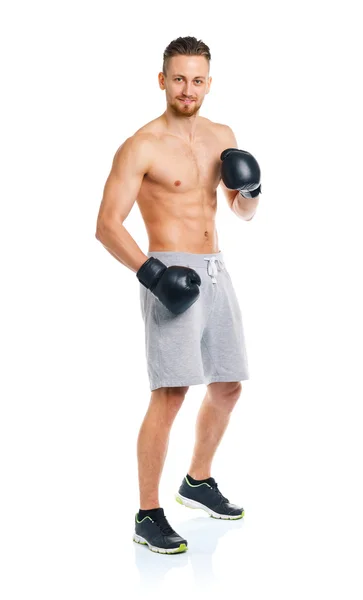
(198, 488)
(153, 439)
(212, 421)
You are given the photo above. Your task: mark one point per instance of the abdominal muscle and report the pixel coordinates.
(176, 238)
(181, 224)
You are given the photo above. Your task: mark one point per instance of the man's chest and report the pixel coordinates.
(181, 168)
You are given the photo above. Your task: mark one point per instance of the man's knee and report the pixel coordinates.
(225, 394)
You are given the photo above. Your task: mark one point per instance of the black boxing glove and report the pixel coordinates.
(240, 171)
(176, 287)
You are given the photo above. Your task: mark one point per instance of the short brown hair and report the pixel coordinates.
(185, 45)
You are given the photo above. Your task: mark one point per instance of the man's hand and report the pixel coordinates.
(176, 287)
(240, 171)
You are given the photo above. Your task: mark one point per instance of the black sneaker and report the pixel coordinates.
(208, 497)
(158, 535)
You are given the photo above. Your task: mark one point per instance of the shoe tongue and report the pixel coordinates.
(160, 518)
(156, 512)
(210, 480)
(160, 512)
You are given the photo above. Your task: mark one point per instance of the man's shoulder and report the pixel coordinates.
(138, 147)
(139, 142)
(222, 128)
(226, 135)
(210, 123)
(150, 130)
(142, 140)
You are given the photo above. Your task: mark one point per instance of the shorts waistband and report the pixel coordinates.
(188, 259)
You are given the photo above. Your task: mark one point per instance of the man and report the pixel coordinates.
(172, 167)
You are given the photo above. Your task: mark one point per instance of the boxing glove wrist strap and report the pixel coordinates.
(252, 194)
(150, 272)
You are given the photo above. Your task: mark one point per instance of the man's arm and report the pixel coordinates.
(131, 162)
(244, 208)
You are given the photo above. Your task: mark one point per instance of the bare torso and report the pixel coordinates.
(178, 196)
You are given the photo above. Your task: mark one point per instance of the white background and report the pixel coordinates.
(77, 79)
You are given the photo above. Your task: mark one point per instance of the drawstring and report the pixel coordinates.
(215, 264)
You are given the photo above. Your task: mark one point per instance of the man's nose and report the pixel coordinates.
(188, 89)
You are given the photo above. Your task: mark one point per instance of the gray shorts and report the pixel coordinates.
(205, 343)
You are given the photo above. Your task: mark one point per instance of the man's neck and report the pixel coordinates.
(183, 127)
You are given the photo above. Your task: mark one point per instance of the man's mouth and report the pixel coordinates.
(186, 100)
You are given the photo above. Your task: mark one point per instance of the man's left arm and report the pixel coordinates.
(244, 208)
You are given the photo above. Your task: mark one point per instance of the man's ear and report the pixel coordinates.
(161, 78)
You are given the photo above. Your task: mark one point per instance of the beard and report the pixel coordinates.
(184, 110)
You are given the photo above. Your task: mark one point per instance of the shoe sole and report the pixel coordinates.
(140, 540)
(194, 504)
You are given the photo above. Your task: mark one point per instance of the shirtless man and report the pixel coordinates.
(193, 326)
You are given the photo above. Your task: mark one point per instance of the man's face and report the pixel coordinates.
(186, 83)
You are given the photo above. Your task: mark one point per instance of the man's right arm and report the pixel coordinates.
(177, 287)
(131, 162)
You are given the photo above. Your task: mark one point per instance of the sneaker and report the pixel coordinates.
(157, 534)
(208, 497)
